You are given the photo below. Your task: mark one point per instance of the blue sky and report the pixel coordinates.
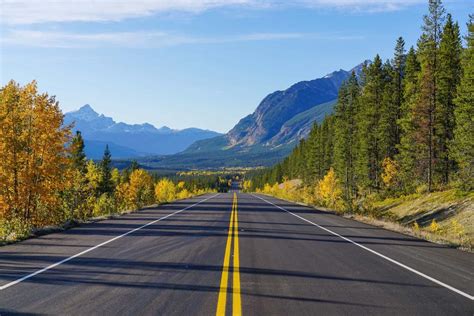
(198, 63)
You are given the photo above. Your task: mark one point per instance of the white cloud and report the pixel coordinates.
(41, 11)
(32, 38)
(362, 5)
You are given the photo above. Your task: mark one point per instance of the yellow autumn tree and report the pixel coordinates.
(116, 177)
(33, 156)
(267, 189)
(180, 185)
(182, 192)
(137, 192)
(247, 185)
(141, 188)
(165, 191)
(92, 176)
(329, 191)
(390, 172)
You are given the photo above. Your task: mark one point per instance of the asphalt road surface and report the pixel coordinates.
(233, 253)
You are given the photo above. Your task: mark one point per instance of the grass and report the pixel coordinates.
(445, 216)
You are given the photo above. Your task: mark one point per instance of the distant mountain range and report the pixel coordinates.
(130, 140)
(280, 121)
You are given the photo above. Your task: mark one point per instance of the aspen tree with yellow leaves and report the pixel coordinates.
(33, 158)
(165, 191)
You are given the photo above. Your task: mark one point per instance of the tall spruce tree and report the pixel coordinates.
(428, 47)
(78, 156)
(399, 61)
(449, 74)
(327, 144)
(345, 131)
(462, 147)
(369, 130)
(106, 184)
(75, 197)
(313, 162)
(388, 130)
(408, 152)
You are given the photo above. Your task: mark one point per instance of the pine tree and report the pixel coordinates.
(345, 136)
(388, 129)
(78, 156)
(399, 62)
(134, 165)
(462, 147)
(75, 197)
(105, 184)
(449, 74)
(369, 146)
(313, 162)
(408, 153)
(327, 143)
(426, 104)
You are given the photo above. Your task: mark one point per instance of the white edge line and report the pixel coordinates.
(3, 287)
(471, 297)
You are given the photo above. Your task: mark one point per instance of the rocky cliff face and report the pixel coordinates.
(287, 116)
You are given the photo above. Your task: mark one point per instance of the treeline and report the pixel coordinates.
(46, 179)
(403, 125)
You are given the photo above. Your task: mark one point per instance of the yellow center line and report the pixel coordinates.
(236, 304)
(233, 235)
(221, 301)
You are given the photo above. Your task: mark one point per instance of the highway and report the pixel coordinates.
(233, 253)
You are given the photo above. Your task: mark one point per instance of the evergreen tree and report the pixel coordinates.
(388, 130)
(75, 197)
(78, 156)
(313, 162)
(369, 131)
(426, 103)
(462, 147)
(449, 74)
(408, 153)
(399, 62)
(134, 166)
(345, 136)
(105, 183)
(327, 143)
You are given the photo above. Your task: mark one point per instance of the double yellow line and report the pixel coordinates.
(233, 235)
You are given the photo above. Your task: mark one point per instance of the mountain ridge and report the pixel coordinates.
(280, 121)
(130, 140)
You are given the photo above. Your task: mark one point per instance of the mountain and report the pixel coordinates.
(280, 121)
(130, 140)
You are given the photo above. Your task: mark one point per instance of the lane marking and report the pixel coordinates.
(232, 239)
(3, 287)
(222, 300)
(236, 301)
(449, 287)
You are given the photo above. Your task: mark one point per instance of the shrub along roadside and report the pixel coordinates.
(14, 231)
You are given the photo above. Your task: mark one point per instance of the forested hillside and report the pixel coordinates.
(405, 127)
(268, 134)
